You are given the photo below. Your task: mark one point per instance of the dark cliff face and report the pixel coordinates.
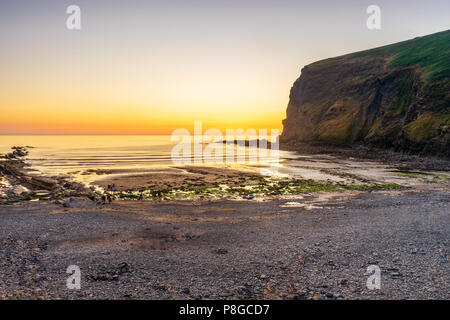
(396, 96)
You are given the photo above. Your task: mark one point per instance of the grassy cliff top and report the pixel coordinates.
(431, 53)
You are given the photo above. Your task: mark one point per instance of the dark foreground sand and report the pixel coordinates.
(293, 247)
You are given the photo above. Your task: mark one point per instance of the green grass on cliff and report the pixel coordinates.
(425, 127)
(432, 53)
(404, 95)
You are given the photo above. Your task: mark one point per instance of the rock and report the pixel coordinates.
(299, 296)
(374, 97)
(124, 267)
(19, 190)
(225, 294)
(221, 251)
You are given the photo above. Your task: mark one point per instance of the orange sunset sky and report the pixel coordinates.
(149, 67)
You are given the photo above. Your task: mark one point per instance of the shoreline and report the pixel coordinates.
(299, 176)
(406, 161)
(296, 239)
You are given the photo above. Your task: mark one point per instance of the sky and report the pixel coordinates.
(150, 67)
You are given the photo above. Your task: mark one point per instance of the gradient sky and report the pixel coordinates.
(149, 67)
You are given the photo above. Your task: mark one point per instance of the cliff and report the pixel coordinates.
(396, 96)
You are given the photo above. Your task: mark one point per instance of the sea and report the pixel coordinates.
(66, 154)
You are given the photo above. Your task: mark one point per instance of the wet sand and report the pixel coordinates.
(176, 178)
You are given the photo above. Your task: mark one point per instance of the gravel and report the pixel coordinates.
(229, 249)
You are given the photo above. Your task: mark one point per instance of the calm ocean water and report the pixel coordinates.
(64, 154)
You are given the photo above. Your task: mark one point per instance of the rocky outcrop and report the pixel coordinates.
(17, 183)
(397, 96)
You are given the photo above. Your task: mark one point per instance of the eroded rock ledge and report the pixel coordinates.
(18, 183)
(397, 97)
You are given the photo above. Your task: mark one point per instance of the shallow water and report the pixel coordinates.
(77, 154)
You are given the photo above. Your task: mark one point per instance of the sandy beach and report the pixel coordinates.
(311, 247)
(188, 233)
